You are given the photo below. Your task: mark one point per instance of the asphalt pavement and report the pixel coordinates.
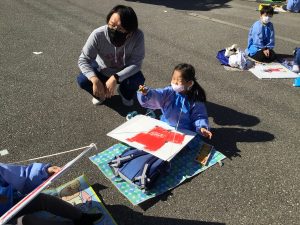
(255, 122)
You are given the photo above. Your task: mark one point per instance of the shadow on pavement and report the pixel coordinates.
(202, 5)
(225, 139)
(151, 202)
(124, 216)
(98, 187)
(115, 103)
(225, 116)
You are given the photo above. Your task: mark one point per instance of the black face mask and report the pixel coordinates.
(116, 37)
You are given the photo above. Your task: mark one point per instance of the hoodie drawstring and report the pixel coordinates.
(124, 53)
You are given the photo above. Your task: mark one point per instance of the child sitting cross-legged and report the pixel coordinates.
(261, 38)
(182, 103)
(292, 6)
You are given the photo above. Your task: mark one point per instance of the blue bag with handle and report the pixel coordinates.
(139, 168)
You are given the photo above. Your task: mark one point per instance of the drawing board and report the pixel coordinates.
(153, 136)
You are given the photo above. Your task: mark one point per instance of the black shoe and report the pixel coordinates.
(88, 218)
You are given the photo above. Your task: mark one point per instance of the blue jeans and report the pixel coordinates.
(128, 87)
(297, 57)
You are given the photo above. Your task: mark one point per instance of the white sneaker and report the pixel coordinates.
(96, 101)
(124, 100)
(296, 69)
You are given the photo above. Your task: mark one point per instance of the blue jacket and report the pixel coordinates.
(293, 5)
(17, 181)
(193, 115)
(260, 36)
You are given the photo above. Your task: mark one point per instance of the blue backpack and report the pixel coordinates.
(139, 168)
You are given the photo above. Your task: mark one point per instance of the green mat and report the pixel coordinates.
(183, 166)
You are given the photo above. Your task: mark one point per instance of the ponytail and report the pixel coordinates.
(196, 93)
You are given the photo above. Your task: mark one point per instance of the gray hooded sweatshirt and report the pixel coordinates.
(124, 61)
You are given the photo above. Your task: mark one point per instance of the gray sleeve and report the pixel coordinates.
(88, 55)
(134, 63)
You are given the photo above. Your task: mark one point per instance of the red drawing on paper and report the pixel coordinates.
(270, 70)
(156, 138)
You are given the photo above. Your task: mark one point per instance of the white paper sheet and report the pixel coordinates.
(153, 136)
(272, 70)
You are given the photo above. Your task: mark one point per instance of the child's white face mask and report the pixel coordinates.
(181, 88)
(177, 88)
(265, 19)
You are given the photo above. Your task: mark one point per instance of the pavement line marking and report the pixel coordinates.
(55, 154)
(239, 26)
(4, 152)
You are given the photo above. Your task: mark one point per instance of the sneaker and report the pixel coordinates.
(124, 100)
(96, 101)
(295, 69)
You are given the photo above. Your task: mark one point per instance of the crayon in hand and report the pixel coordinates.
(143, 89)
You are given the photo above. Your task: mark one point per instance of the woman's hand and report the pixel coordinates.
(110, 84)
(98, 88)
(206, 133)
(53, 169)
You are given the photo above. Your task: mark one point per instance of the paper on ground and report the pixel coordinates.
(4, 152)
(272, 70)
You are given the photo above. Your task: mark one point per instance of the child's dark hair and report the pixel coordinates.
(267, 9)
(128, 17)
(196, 93)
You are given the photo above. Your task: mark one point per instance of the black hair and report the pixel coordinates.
(267, 9)
(127, 15)
(196, 93)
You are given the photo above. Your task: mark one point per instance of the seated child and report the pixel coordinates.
(296, 65)
(292, 6)
(16, 181)
(181, 103)
(261, 38)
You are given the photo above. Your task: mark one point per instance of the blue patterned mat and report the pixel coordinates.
(183, 166)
